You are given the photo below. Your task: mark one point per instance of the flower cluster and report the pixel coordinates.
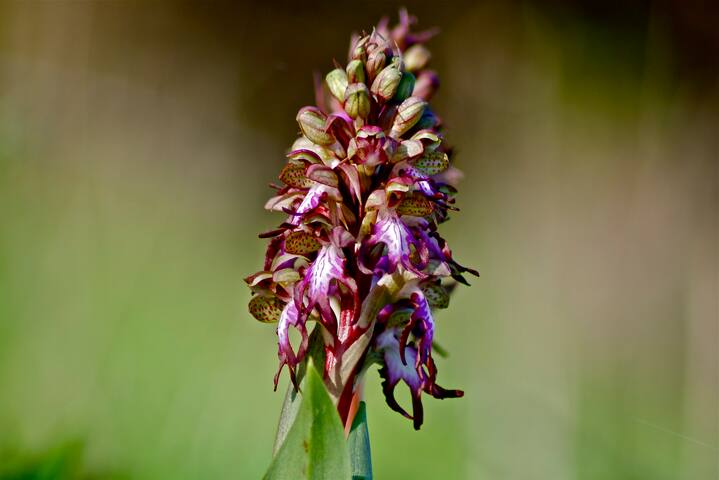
(365, 187)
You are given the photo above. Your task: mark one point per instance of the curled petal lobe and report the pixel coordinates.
(290, 318)
(398, 242)
(321, 283)
(395, 370)
(315, 197)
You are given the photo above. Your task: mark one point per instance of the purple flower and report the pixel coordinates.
(418, 380)
(365, 188)
(326, 279)
(400, 248)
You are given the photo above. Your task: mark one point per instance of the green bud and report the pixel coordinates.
(312, 124)
(428, 120)
(337, 83)
(375, 63)
(416, 57)
(357, 102)
(385, 85)
(405, 87)
(355, 72)
(408, 114)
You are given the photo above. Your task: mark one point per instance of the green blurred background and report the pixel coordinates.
(136, 143)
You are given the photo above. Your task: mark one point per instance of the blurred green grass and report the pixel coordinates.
(131, 192)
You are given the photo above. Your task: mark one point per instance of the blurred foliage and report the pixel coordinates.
(62, 462)
(134, 152)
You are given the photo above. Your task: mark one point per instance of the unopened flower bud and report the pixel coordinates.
(357, 102)
(359, 52)
(355, 72)
(408, 114)
(416, 57)
(405, 88)
(406, 149)
(428, 120)
(385, 85)
(337, 83)
(375, 63)
(426, 85)
(312, 124)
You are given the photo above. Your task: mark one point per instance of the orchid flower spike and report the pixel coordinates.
(365, 187)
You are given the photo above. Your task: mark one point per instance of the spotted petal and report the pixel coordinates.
(301, 243)
(265, 309)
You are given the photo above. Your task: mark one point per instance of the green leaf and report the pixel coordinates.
(290, 407)
(358, 444)
(314, 447)
(293, 399)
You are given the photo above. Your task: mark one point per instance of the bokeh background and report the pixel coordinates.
(136, 142)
